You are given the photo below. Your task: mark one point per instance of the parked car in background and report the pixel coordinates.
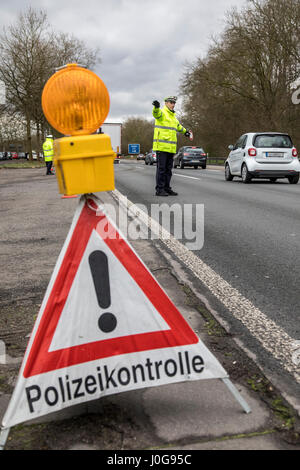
(35, 156)
(141, 156)
(270, 155)
(190, 156)
(150, 158)
(14, 155)
(2, 156)
(117, 159)
(22, 155)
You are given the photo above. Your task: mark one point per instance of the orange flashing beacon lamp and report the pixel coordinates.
(76, 102)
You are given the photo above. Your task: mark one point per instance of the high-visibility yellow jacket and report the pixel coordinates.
(165, 130)
(48, 150)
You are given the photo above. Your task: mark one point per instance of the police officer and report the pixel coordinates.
(165, 143)
(48, 151)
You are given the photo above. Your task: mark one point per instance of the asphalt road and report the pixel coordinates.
(251, 240)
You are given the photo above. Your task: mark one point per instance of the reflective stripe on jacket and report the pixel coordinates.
(165, 130)
(48, 150)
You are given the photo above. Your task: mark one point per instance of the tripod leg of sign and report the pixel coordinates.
(237, 395)
(3, 437)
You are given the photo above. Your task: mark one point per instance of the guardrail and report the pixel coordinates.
(216, 161)
(210, 160)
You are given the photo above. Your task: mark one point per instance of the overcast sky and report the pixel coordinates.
(144, 44)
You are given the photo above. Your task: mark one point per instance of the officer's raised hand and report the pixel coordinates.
(156, 104)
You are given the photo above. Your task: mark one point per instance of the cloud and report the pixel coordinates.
(143, 44)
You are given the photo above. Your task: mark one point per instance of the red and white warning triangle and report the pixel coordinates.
(105, 326)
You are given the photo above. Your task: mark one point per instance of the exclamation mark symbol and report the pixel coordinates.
(99, 268)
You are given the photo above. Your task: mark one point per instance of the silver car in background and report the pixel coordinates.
(270, 155)
(150, 158)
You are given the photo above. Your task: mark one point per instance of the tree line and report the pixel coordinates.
(30, 52)
(245, 81)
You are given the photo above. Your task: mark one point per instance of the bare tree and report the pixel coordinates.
(20, 51)
(69, 49)
(30, 51)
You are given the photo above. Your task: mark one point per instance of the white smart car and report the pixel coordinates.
(270, 155)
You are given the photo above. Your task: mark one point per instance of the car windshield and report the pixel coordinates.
(194, 150)
(273, 141)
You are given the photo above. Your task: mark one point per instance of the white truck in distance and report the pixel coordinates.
(114, 130)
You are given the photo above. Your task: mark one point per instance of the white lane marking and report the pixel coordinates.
(207, 171)
(271, 336)
(185, 176)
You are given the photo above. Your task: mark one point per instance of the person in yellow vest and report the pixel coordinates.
(165, 143)
(48, 151)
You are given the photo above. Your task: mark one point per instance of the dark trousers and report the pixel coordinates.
(49, 166)
(164, 165)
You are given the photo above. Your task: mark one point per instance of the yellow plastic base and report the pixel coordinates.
(84, 164)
